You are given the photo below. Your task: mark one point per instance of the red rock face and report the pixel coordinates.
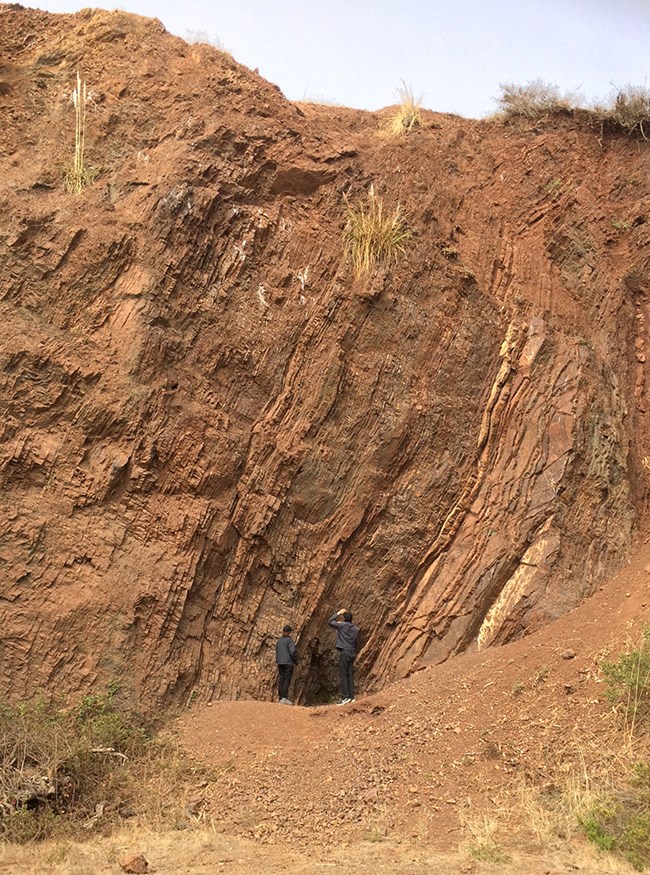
(211, 428)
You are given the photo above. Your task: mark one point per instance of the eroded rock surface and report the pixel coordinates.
(210, 427)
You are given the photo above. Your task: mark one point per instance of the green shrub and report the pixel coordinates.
(593, 825)
(621, 823)
(627, 682)
(64, 770)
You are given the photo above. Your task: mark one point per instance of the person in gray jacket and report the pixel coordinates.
(346, 644)
(285, 658)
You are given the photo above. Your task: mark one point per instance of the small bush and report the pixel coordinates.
(374, 236)
(621, 822)
(66, 770)
(534, 99)
(627, 682)
(409, 115)
(629, 109)
(518, 688)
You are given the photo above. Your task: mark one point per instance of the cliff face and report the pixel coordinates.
(211, 428)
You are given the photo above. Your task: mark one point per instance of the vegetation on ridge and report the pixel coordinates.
(533, 99)
(408, 115)
(628, 108)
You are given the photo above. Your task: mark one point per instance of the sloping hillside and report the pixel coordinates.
(499, 734)
(211, 427)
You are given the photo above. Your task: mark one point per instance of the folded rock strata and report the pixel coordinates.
(211, 427)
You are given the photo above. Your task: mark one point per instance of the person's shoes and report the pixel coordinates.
(286, 702)
(344, 701)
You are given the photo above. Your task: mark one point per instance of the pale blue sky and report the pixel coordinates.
(453, 53)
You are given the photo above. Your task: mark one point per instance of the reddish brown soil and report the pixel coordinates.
(454, 739)
(383, 785)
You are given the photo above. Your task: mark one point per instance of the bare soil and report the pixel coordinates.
(411, 763)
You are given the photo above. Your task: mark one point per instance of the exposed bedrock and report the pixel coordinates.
(210, 427)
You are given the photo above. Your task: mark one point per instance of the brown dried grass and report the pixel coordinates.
(374, 235)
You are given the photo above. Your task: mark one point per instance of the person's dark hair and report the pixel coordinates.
(287, 629)
(347, 616)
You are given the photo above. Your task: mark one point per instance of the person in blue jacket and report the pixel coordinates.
(285, 658)
(346, 644)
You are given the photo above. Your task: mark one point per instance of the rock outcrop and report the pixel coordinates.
(210, 427)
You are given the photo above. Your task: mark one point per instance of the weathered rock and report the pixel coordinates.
(133, 862)
(210, 427)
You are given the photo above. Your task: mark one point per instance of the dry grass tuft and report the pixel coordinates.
(170, 849)
(594, 785)
(481, 838)
(373, 235)
(552, 812)
(77, 177)
(409, 115)
(203, 38)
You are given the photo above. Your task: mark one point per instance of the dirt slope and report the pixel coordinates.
(210, 427)
(414, 760)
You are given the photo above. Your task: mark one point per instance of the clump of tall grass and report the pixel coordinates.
(374, 235)
(481, 838)
(408, 115)
(534, 99)
(78, 176)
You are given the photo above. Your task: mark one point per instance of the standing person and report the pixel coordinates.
(346, 644)
(285, 658)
